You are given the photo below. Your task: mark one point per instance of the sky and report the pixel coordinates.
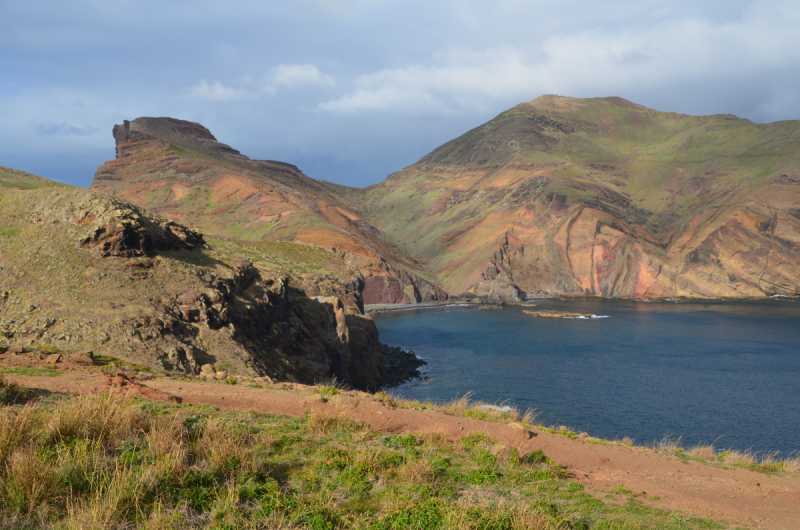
(353, 90)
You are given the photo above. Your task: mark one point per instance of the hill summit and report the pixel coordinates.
(601, 197)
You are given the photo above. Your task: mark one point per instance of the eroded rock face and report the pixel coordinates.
(384, 290)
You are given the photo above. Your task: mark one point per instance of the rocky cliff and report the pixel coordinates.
(83, 270)
(601, 197)
(179, 170)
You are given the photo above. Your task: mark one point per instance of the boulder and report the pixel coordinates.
(523, 431)
(80, 358)
(206, 369)
(53, 358)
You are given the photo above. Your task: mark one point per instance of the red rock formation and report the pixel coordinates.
(178, 169)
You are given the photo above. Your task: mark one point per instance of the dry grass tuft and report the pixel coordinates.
(432, 437)
(765, 463)
(416, 473)
(28, 481)
(705, 452)
(106, 419)
(792, 464)
(12, 393)
(529, 418)
(168, 441)
(325, 423)
(112, 501)
(501, 452)
(460, 404)
(16, 430)
(464, 406)
(667, 445)
(223, 442)
(163, 518)
(514, 517)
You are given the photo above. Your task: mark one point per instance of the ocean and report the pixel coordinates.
(721, 372)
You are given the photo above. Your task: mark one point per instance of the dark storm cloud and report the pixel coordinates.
(351, 90)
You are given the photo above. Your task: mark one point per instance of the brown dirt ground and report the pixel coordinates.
(734, 496)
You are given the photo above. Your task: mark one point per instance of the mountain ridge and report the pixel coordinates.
(639, 178)
(553, 197)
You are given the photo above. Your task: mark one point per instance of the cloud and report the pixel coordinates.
(64, 129)
(390, 80)
(466, 82)
(215, 92)
(282, 76)
(595, 61)
(296, 75)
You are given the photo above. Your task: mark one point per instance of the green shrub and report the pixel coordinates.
(423, 516)
(398, 441)
(535, 457)
(482, 475)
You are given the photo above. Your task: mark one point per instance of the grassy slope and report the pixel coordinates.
(105, 463)
(16, 179)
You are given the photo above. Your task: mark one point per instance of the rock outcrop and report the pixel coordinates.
(112, 226)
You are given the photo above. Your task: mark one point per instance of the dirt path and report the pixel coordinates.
(735, 496)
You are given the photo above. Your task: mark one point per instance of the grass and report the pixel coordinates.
(101, 462)
(30, 370)
(112, 364)
(760, 462)
(465, 406)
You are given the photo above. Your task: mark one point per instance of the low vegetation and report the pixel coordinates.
(101, 462)
(708, 454)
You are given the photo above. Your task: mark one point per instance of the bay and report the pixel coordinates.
(722, 372)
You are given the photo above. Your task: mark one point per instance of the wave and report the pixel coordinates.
(589, 318)
(495, 407)
(416, 307)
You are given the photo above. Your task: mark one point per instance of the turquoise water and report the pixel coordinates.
(721, 372)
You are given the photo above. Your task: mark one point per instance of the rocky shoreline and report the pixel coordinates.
(401, 366)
